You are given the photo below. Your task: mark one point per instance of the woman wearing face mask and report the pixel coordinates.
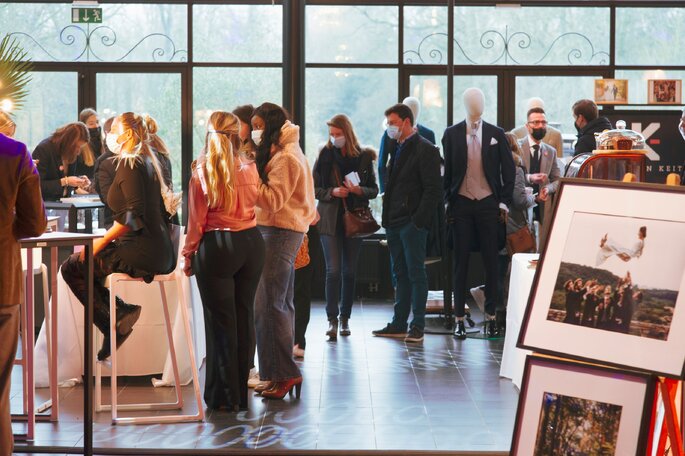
(143, 246)
(285, 208)
(60, 172)
(93, 149)
(226, 252)
(340, 163)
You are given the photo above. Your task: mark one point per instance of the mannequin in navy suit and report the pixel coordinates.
(478, 183)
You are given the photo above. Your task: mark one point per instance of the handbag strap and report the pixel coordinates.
(337, 178)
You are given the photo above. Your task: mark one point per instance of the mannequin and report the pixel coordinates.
(478, 193)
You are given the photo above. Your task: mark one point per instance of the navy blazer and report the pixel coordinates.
(498, 163)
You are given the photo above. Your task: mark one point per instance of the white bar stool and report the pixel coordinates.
(176, 276)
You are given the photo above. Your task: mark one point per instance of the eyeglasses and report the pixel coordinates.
(538, 122)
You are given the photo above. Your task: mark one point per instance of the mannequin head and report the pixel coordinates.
(415, 106)
(681, 125)
(535, 102)
(474, 102)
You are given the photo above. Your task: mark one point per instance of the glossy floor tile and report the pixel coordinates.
(359, 393)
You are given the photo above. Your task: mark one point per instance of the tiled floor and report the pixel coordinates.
(360, 392)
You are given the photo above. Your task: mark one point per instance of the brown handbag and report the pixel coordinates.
(521, 241)
(302, 259)
(358, 222)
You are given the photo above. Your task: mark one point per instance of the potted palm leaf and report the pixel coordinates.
(15, 74)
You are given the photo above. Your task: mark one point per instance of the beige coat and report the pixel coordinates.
(21, 214)
(287, 200)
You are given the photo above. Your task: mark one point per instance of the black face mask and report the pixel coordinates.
(95, 132)
(538, 133)
(577, 127)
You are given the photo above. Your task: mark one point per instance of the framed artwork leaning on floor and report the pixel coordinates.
(573, 408)
(610, 283)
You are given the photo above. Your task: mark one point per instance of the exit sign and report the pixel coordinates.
(86, 15)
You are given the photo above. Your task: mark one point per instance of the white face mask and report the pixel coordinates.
(112, 143)
(338, 142)
(681, 128)
(393, 132)
(257, 136)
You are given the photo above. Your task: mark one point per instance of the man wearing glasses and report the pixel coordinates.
(539, 159)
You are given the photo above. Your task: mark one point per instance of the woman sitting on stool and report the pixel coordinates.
(138, 243)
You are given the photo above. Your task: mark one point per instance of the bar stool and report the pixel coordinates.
(113, 280)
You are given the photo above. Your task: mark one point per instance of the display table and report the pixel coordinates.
(144, 353)
(520, 283)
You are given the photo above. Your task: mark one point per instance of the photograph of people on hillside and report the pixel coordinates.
(620, 274)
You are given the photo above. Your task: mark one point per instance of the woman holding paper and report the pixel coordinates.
(343, 170)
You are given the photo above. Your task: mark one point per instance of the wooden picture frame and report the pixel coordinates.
(611, 91)
(631, 321)
(664, 91)
(616, 404)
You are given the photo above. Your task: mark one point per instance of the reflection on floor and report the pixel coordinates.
(360, 392)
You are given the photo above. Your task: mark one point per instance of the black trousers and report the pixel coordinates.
(475, 220)
(228, 266)
(303, 287)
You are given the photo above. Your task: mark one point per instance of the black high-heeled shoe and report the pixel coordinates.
(106, 349)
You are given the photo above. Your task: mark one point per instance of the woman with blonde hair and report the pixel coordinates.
(225, 251)
(60, 173)
(7, 125)
(343, 171)
(143, 246)
(161, 151)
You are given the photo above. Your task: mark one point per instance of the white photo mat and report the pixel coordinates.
(665, 357)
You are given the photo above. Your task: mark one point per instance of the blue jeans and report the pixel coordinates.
(407, 245)
(274, 307)
(340, 250)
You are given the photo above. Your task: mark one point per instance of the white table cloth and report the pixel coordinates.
(145, 352)
(520, 283)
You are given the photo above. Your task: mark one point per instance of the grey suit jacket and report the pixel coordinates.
(553, 138)
(548, 162)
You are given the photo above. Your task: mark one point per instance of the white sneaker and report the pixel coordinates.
(253, 379)
(479, 296)
(298, 352)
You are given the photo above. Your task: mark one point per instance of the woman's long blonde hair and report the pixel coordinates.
(221, 149)
(155, 141)
(351, 142)
(7, 125)
(135, 148)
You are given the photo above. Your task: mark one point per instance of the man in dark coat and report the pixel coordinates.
(21, 215)
(587, 121)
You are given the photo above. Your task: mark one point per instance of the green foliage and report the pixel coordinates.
(15, 68)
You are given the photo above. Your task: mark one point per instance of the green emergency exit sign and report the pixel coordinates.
(86, 15)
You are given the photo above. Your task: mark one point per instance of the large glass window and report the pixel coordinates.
(505, 35)
(559, 93)
(232, 33)
(156, 94)
(128, 32)
(51, 103)
(425, 35)
(432, 93)
(650, 36)
(226, 88)
(352, 34)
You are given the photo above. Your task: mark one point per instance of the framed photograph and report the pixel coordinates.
(611, 91)
(608, 285)
(572, 408)
(664, 91)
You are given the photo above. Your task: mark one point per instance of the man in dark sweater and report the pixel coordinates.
(587, 121)
(412, 195)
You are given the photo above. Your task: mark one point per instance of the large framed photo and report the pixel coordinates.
(664, 91)
(609, 284)
(571, 408)
(611, 91)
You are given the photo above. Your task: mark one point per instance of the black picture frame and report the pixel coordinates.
(528, 423)
(553, 346)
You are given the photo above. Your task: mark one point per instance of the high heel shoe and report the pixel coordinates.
(263, 386)
(280, 389)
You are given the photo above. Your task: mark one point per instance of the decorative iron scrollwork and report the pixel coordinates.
(508, 49)
(89, 45)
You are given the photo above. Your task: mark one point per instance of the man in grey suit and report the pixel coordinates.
(552, 137)
(539, 159)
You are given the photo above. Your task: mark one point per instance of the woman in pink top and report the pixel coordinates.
(225, 250)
